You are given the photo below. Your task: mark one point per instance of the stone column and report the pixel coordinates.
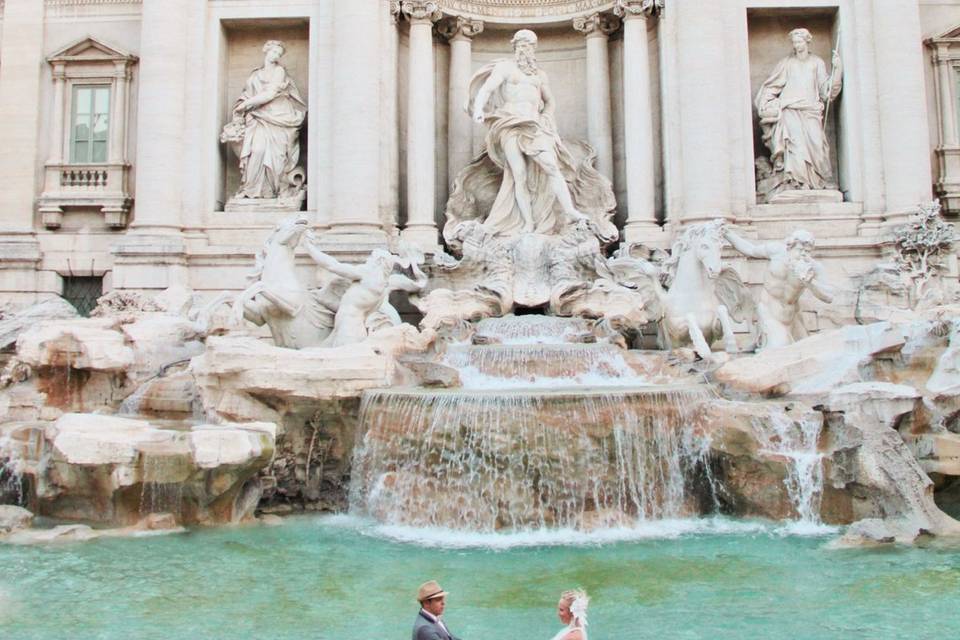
(948, 111)
(904, 132)
(704, 141)
(20, 73)
(119, 115)
(421, 229)
(153, 255)
(460, 33)
(356, 120)
(597, 29)
(638, 119)
(161, 122)
(21, 53)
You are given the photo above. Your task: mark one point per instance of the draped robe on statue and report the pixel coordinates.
(591, 192)
(790, 104)
(271, 141)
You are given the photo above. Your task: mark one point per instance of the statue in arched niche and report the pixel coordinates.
(792, 105)
(264, 132)
(527, 180)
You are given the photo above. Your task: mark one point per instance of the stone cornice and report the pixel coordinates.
(533, 10)
(71, 8)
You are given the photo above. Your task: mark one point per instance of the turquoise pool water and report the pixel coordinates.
(336, 578)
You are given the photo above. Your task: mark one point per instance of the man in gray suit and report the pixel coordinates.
(428, 625)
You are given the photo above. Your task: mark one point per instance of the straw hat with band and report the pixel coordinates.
(430, 590)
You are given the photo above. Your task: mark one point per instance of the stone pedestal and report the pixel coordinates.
(806, 196)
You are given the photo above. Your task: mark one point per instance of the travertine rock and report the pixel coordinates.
(14, 324)
(869, 455)
(815, 364)
(236, 373)
(151, 525)
(86, 343)
(110, 469)
(14, 518)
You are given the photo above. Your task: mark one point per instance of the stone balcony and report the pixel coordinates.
(102, 186)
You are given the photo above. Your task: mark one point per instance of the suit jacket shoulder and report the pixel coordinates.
(423, 629)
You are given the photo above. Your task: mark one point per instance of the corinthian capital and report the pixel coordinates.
(455, 26)
(597, 23)
(421, 9)
(645, 8)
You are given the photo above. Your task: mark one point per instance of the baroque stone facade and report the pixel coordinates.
(113, 111)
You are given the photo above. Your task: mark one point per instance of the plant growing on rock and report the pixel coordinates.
(921, 244)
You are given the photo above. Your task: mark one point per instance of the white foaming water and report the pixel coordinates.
(541, 366)
(797, 441)
(532, 329)
(13, 465)
(667, 529)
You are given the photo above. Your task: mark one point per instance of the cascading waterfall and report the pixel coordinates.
(797, 442)
(544, 433)
(485, 461)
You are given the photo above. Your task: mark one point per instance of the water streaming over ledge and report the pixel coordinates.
(797, 442)
(529, 459)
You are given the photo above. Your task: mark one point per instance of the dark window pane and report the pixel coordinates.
(81, 152)
(99, 152)
(83, 292)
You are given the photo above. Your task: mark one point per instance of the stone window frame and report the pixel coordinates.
(945, 56)
(98, 185)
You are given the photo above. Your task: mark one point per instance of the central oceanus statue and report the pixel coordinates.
(527, 180)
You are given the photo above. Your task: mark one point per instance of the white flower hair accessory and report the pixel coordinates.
(579, 609)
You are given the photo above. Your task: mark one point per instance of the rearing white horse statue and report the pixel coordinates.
(704, 297)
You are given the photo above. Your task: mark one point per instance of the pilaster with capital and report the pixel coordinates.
(421, 10)
(943, 62)
(357, 133)
(59, 110)
(460, 33)
(421, 229)
(638, 118)
(597, 28)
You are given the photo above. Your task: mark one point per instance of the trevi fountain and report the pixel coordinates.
(307, 302)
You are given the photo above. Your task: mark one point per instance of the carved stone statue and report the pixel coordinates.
(265, 135)
(347, 308)
(368, 289)
(792, 271)
(298, 316)
(527, 180)
(704, 297)
(791, 105)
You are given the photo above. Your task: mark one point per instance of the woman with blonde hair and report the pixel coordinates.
(572, 611)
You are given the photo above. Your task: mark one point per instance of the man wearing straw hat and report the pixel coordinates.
(428, 625)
